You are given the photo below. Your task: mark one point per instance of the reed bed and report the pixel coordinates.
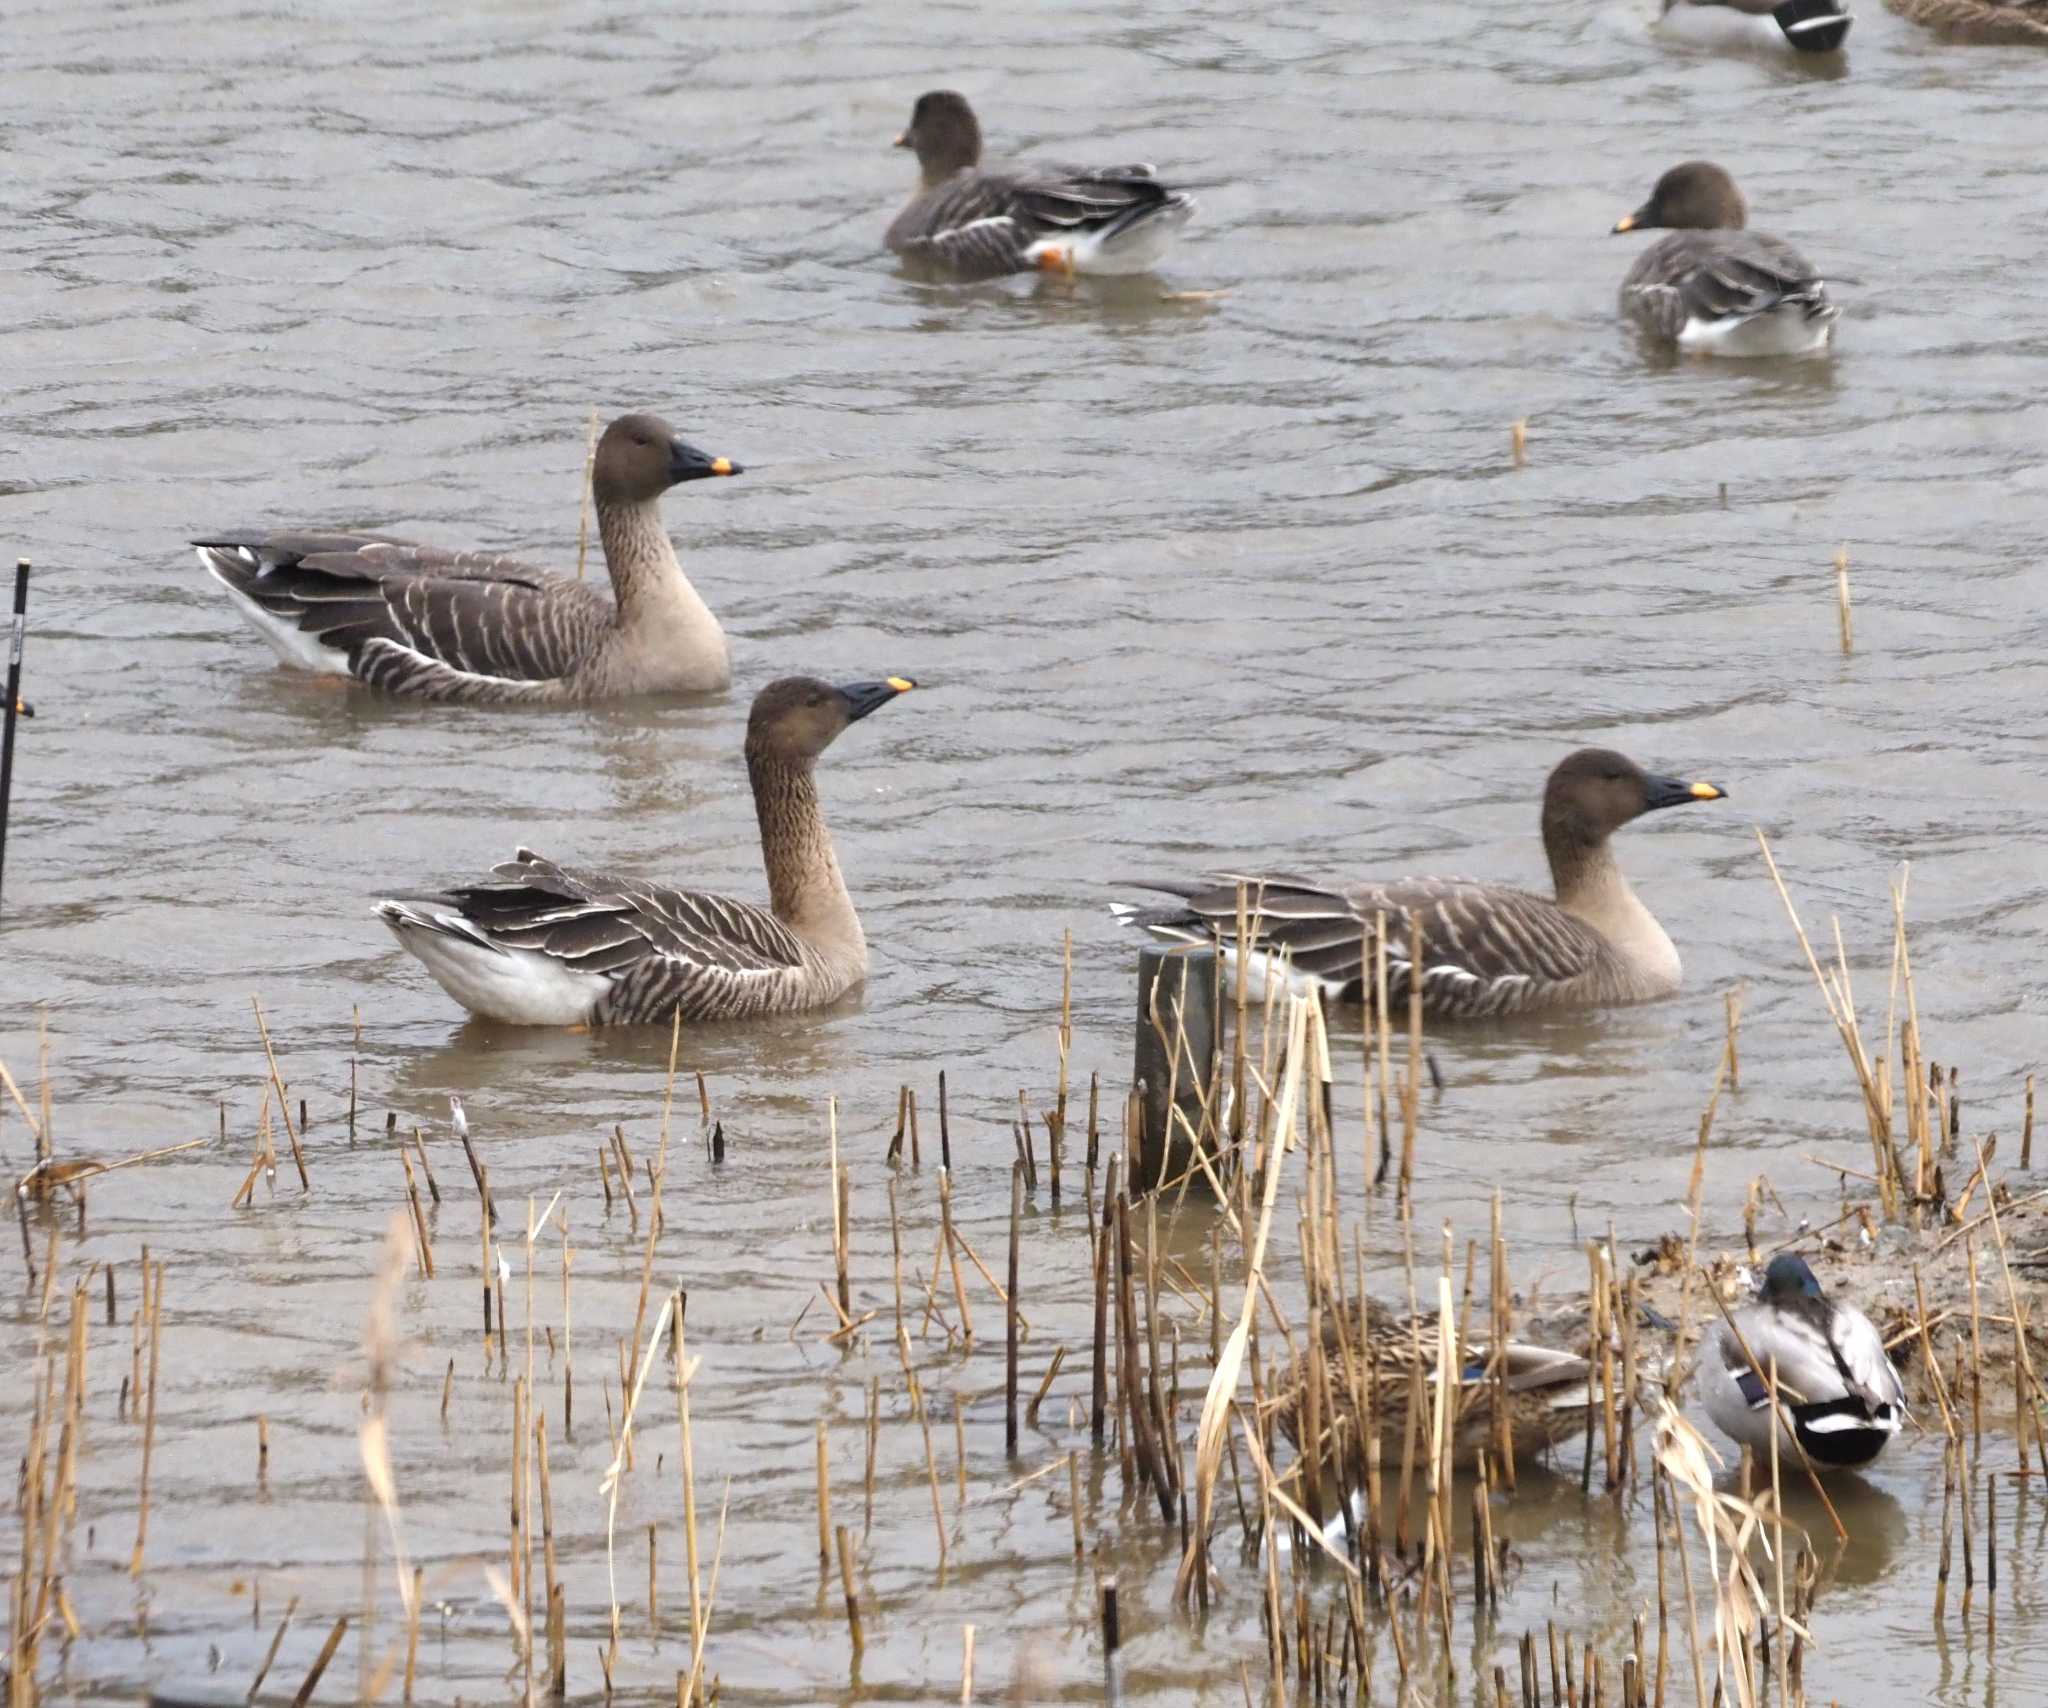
(1239, 1379)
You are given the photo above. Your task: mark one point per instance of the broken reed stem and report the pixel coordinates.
(283, 1112)
(824, 1500)
(689, 1471)
(154, 1310)
(852, 1601)
(1842, 599)
(1010, 1314)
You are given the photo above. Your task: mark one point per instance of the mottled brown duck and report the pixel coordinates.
(1713, 287)
(1487, 949)
(549, 945)
(978, 222)
(1376, 1371)
(435, 624)
(1980, 23)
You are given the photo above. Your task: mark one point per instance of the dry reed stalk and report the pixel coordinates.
(1411, 1088)
(949, 1239)
(966, 1663)
(269, 1654)
(1518, 441)
(1052, 1370)
(684, 1365)
(852, 1601)
(558, 1660)
(840, 1237)
(1074, 1498)
(1841, 1010)
(2023, 1358)
(422, 1242)
(1218, 1400)
(277, 1085)
(1842, 599)
(312, 1679)
(959, 1454)
(1099, 1230)
(153, 1309)
(931, 1464)
(824, 1501)
(1010, 1312)
(608, 1485)
(2027, 1128)
(896, 1251)
(874, 1432)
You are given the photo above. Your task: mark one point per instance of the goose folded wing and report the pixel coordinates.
(1056, 199)
(482, 612)
(603, 924)
(1805, 1362)
(1745, 274)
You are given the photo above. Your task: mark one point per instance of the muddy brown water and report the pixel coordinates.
(1190, 583)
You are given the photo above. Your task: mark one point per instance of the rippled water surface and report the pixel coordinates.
(1191, 582)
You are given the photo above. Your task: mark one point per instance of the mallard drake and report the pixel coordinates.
(1546, 1391)
(1712, 287)
(981, 224)
(475, 626)
(1809, 26)
(1843, 1397)
(1982, 23)
(1487, 949)
(549, 945)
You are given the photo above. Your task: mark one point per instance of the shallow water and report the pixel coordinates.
(1189, 583)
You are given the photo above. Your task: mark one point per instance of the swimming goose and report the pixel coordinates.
(475, 626)
(981, 225)
(1711, 286)
(1979, 22)
(1487, 949)
(548, 945)
(1546, 1392)
(1810, 26)
(1844, 1398)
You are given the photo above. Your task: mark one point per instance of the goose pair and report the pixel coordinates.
(1840, 1401)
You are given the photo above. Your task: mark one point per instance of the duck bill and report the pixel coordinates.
(902, 140)
(686, 462)
(1676, 792)
(865, 697)
(1631, 222)
(21, 707)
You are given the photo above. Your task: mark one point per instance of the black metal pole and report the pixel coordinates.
(14, 707)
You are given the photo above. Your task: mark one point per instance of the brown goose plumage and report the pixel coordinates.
(549, 945)
(1713, 286)
(476, 626)
(980, 224)
(1981, 23)
(1487, 949)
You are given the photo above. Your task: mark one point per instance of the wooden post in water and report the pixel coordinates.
(1175, 1057)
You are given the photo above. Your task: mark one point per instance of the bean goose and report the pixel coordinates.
(1545, 1392)
(1980, 22)
(982, 224)
(1487, 949)
(549, 945)
(475, 626)
(1713, 287)
(1809, 26)
(1842, 1398)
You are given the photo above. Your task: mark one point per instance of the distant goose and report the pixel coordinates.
(1810, 26)
(475, 626)
(1545, 1392)
(547, 945)
(1713, 288)
(1844, 1398)
(1487, 949)
(1980, 22)
(983, 224)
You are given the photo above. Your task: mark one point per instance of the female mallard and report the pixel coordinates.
(982, 224)
(1808, 26)
(1844, 1399)
(545, 945)
(1713, 288)
(1546, 1391)
(474, 626)
(1487, 949)
(1980, 23)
